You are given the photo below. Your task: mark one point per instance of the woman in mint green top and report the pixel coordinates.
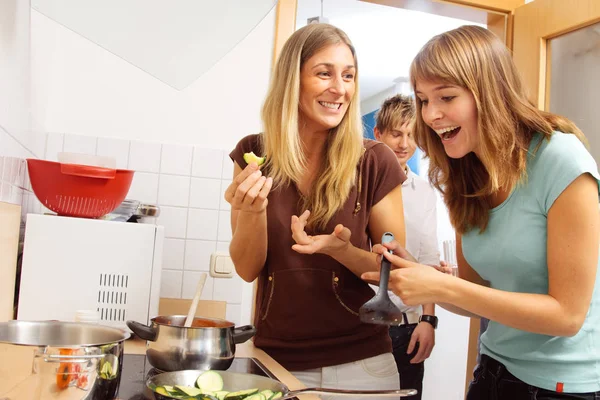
(522, 192)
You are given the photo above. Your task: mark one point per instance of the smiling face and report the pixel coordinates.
(400, 140)
(327, 85)
(451, 112)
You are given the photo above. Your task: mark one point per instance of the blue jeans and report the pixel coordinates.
(492, 381)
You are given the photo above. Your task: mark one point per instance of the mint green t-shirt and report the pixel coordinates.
(511, 255)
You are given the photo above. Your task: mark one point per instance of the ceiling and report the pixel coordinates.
(386, 38)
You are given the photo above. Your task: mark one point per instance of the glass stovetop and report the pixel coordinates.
(136, 369)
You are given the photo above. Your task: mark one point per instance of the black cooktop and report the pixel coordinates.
(136, 370)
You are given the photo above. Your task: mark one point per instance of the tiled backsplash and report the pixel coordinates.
(15, 187)
(12, 179)
(188, 183)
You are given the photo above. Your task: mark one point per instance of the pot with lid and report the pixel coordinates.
(52, 359)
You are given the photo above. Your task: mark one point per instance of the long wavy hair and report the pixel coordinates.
(475, 59)
(281, 141)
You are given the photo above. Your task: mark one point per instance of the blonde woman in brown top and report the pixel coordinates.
(304, 222)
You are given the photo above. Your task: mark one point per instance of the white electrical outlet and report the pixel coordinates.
(221, 265)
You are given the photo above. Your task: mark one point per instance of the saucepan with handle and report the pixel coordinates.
(207, 344)
(238, 382)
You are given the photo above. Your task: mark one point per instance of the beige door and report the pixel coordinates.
(556, 47)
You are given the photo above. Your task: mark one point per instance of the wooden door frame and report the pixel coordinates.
(532, 30)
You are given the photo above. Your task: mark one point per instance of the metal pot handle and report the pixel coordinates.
(243, 333)
(72, 359)
(143, 331)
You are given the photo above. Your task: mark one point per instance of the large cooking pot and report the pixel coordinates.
(51, 359)
(233, 382)
(207, 344)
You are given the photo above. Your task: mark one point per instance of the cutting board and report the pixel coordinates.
(10, 220)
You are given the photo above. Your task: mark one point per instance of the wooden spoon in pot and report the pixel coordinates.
(192, 313)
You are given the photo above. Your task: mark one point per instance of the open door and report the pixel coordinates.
(556, 47)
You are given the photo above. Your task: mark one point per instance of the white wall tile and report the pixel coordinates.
(174, 219)
(7, 169)
(27, 182)
(223, 246)
(208, 163)
(227, 166)
(116, 148)
(223, 204)
(2, 160)
(170, 284)
(5, 192)
(205, 193)
(229, 289)
(176, 159)
(173, 253)
(224, 226)
(54, 145)
(197, 254)
(190, 284)
(202, 224)
(233, 313)
(144, 188)
(174, 190)
(20, 170)
(16, 196)
(80, 144)
(144, 156)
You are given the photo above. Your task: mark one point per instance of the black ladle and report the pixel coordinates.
(380, 309)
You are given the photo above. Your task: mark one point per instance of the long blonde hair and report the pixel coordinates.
(281, 140)
(475, 59)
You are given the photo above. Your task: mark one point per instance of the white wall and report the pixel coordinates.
(16, 136)
(83, 89)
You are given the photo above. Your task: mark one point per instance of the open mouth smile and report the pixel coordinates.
(332, 106)
(448, 133)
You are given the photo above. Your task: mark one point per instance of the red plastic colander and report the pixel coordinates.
(75, 190)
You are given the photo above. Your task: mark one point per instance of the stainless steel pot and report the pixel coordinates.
(208, 344)
(51, 359)
(233, 382)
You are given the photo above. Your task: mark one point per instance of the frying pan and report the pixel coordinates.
(233, 382)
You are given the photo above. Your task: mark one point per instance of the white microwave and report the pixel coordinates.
(72, 264)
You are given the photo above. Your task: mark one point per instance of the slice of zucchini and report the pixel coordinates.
(266, 393)
(275, 396)
(209, 381)
(256, 396)
(241, 394)
(221, 394)
(188, 390)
